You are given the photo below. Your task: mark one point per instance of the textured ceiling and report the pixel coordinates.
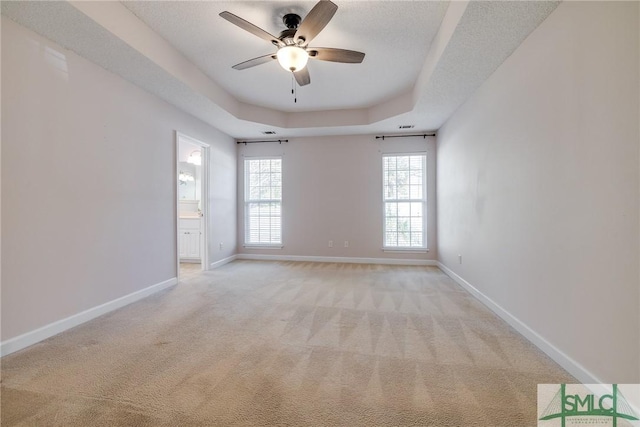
(395, 37)
(424, 59)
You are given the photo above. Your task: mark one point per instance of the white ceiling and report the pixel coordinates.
(423, 58)
(214, 45)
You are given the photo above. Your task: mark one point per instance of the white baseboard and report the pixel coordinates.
(25, 340)
(345, 260)
(222, 262)
(570, 365)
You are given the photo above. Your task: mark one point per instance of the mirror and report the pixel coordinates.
(190, 181)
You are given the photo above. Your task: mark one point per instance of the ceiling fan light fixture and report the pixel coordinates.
(292, 58)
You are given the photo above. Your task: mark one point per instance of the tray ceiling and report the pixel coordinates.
(423, 58)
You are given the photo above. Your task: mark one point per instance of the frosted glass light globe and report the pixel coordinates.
(292, 58)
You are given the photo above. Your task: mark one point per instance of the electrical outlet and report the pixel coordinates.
(220, 245)
(330, 243)
(346, 243)
(459, 259)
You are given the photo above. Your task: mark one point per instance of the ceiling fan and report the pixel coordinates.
(293, 43)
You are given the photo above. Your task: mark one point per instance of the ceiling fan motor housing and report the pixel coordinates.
(287, 35)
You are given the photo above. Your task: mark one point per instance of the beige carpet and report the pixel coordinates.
(302, 344)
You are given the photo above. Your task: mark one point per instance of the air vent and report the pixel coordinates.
(406, 126)
(269, 132)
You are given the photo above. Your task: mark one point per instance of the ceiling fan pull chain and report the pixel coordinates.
(294, 89)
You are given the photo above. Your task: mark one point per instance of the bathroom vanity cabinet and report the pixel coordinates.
(190, 232)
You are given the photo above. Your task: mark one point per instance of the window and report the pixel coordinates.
(263, 201)
(405, 200)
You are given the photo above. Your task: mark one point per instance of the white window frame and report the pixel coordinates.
(423, 200)
(248, 201)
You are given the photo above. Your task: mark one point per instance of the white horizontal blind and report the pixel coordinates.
(405, 200)
(263, 201)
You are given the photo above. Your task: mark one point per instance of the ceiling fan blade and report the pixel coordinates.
(315, 21)
(336, 55)
(302, 77)
(248, 26)
(255, 61)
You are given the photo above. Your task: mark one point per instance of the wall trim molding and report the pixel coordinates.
(342, 260)
(222, 262)
(557, 355)
(29, 338)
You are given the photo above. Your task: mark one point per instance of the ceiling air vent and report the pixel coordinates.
(269, 132)
(406, 127)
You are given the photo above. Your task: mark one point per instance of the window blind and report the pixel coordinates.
(263, 201)
(405, 200)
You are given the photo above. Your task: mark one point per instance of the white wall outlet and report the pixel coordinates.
(220, 245)
(346, 243)
(330, 243)
(459, 259)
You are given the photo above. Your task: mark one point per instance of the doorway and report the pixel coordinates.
(192, 205)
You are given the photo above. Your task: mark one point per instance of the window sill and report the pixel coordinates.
(263, 246)
(407, 250)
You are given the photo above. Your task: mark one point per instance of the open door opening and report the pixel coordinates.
(192, 205)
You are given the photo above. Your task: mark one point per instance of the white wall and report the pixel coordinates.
(332, 190)
(88, 184)
(538, 188)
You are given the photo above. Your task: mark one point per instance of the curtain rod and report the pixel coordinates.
(424, 135)
(263, 140)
